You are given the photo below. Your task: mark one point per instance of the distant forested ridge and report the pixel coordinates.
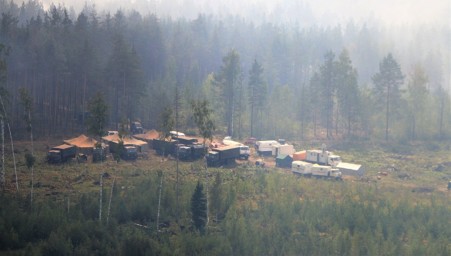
(292, 82)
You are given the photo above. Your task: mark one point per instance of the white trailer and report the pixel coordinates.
(265, 147)
(322, 157)
(302, 168)
(351, 169)
(284, 149)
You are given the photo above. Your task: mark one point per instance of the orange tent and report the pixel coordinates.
(148, 136)
(128, 141)
(83, 143)
(299, 156)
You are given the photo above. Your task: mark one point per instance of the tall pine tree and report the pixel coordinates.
(386, 88)
(199, 208)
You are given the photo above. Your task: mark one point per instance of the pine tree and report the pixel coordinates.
(167, 122)
(348, 96)
(203, 118)
(327, 90)
(199, 208)
(216, 196)
(228, 80)
(417, 98)
(97, 120)
(257, 93)
(386, 88)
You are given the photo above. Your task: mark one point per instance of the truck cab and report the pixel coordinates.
(328, 172)
(136, 128)
(99, 155)
(245, 152)
(213, 158)
(333, 160)
(129, 153)
(184, 152)
(54, 156)
(61, 153)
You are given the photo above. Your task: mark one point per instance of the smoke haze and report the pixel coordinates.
(304, 13)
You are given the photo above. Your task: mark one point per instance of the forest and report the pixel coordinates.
(261, 80)
(378, 95)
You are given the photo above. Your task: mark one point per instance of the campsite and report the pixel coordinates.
(313, 127)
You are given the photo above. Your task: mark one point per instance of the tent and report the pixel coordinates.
(148, 137)
(113, 141)
(299, 156)
(284, 161)
(83, 143)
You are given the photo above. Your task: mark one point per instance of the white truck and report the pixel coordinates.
(315, 170)
(329, 172)
(322, 157)
(245, 151)
(265, 147)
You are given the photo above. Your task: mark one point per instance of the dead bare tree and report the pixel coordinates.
(12, 141)
(100, 197)
(160, 174)
(109, 203)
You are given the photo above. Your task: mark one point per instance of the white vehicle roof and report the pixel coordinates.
(177, 133)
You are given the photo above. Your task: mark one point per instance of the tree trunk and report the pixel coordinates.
(387, 114)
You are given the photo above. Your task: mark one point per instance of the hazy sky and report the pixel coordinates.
(324, 11)
(390, 11)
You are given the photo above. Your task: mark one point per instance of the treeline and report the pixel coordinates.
(264, 81)
(251, 213)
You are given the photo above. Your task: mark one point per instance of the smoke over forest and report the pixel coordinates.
(136, 55)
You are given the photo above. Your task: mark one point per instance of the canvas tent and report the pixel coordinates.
(284, 161)
(113, 141)
(148, 137)
(83, 143)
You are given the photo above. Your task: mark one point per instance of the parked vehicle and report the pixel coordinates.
(109, 133)
(265, 147)
(302, 168)
(164, 147)
(315, 170)
(61, 153)
(222, 155)
(176, 133)
(322, 171)
(99, 155)
(136, 128)
(245, 151)
(129, 153)
(190, 152)
(250, 141)
(322, 157)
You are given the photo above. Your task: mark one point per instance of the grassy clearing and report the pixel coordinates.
(418, 168)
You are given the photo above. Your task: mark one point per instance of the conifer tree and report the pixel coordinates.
(228, 80)
(257, 93)
(97, 120)
(386, 88)
(199, 208)
(203, 119)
